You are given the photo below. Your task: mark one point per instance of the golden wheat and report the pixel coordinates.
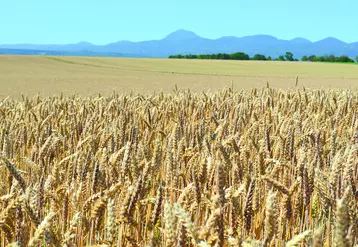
(259, 167)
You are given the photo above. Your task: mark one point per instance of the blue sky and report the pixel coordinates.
(105, 21)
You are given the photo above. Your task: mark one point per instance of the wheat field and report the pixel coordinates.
(48, 76)
(255, 167)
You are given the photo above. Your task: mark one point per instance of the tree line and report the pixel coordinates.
(330, 58)
(288, 56)
(223, 56)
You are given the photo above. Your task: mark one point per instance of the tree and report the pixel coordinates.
(320, 59)
(304, 58)
(213, 56)
(226, 56)
(240, 56)
(281, 58)
(312, 58)
(344, 59)
(220, 56)
(259, 57)
(356, 58)
(331, 58)
(269, 58)
(289, 56)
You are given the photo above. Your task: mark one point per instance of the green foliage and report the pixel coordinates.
(344, 59)
(331, 58)
(281, 58)
(312, 58)
(240, 56)
(235, 56)
(289, 56)
(328, 58)
(259, 57)
(220, 56)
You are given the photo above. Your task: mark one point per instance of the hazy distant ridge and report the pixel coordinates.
(186, 42)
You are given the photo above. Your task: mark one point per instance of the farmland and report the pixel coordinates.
(240, 167)
(84, 75)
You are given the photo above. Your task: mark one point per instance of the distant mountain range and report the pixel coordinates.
(187, 42)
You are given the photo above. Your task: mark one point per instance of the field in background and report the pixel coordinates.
(85, 75)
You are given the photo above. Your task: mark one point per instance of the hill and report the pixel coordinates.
(187, 42)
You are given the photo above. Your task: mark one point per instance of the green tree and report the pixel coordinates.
(312, 58)
(259, 57)
(269, 58)
(304, 58)
(226, 56)
(356, 58)
(213, 56)
(289, 56)
(240, 56)
(344, 59)
(331, 58)
(281, 58)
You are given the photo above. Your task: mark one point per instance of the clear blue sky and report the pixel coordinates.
(104, 21)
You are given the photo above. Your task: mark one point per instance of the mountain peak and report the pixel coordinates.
(181, 34)
(330, 41)
(300, 41)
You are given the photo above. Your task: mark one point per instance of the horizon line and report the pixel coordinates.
(185, 30)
